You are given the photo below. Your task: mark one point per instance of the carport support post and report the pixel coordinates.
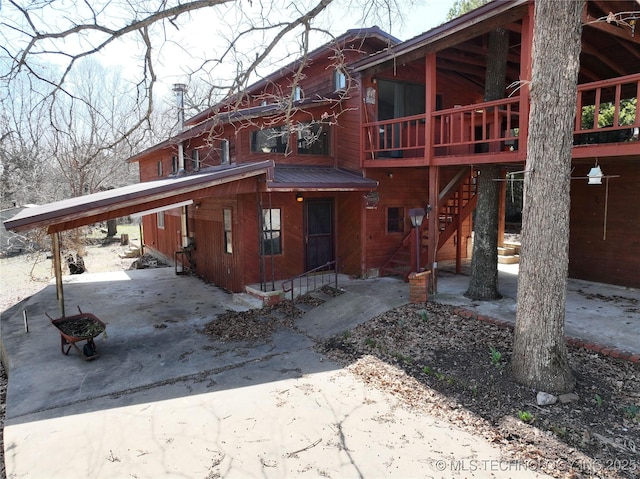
(57, 266)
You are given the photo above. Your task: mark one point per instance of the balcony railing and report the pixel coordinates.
(482, 128)
(608, 111)
(608, 115)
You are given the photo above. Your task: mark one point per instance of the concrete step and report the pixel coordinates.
(245, 302)
(508, 259)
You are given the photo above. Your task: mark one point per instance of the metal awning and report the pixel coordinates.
(83, 210)
(318, 178)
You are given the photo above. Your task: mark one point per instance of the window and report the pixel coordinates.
(228, 224)
(195, 160)
(224, 152)
(297, 93)
(160, 219)
(271, 231)
(270, 140)
(395, 220)
(174, 164)
(339, 80)
(313, 139)
(160, 168)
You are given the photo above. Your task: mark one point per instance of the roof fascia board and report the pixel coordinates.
(139, 194)
(453, 27)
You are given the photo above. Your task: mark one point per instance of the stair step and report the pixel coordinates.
(508, 259)
(506, 251)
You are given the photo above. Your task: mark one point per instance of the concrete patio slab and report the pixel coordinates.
(165, 400)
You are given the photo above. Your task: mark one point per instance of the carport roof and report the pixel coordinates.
(140, 197)
(126, 200)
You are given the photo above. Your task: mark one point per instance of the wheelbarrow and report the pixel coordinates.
(77, 328)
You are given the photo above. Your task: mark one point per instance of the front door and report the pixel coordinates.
(318, 232)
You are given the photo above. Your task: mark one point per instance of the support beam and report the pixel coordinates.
(434, 231)
(57, 266)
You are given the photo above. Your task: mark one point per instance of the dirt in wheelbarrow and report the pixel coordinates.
(81, 327)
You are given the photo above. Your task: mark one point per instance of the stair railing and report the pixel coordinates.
(312, 280)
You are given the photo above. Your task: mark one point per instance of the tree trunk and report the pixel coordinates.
(539, 351)
(483, 284)
(112, 228)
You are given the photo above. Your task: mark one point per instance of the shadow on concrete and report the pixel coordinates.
(155, 348)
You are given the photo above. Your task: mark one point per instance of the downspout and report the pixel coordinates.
(179, 89)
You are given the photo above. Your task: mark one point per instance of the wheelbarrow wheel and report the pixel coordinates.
(88, 350)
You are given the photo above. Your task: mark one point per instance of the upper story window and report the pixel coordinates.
(174, 164)
(159, 165)
(270, 140)
(160, 219)
(297, 93)
(195, 160)
(313, 139)
(224, 152)
(339, 80)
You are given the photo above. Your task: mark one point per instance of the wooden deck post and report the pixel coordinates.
(57, 266)
(433, 222)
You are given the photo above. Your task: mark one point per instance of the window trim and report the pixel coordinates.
(401, 221)
(339, 80)
(195, 160)
(227, 230)
(279, 131)
(264, 238)
(225, 157)
(326, 130)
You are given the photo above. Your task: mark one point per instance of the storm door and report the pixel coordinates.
(318, 232)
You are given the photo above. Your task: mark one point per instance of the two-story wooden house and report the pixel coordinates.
(324, 160)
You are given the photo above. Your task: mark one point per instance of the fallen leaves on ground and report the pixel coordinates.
(458, 369)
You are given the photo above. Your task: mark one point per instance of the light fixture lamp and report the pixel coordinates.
(299, 197)
(417, 215)
(595, 176)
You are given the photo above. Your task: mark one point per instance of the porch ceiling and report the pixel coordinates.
(88, 209)
(609, 49)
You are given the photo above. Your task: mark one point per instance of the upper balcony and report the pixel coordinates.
(492, 132)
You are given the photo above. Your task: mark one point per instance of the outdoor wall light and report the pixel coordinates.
(417, 215)
(299, 197)
(595, 176)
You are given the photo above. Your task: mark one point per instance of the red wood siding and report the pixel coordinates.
(616, 259)
(207, 228)
(407, 189)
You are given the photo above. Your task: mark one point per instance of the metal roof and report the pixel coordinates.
(318, 178)
(88, 209)
(141, 197)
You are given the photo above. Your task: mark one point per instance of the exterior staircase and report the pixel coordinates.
(456, 202)
(509, 253)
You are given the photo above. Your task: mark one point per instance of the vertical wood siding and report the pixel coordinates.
(616, 259)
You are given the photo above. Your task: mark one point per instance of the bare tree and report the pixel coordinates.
(539, 352)
(249, 41)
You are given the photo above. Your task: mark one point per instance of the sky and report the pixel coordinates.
(204, 34)
(183, 52)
